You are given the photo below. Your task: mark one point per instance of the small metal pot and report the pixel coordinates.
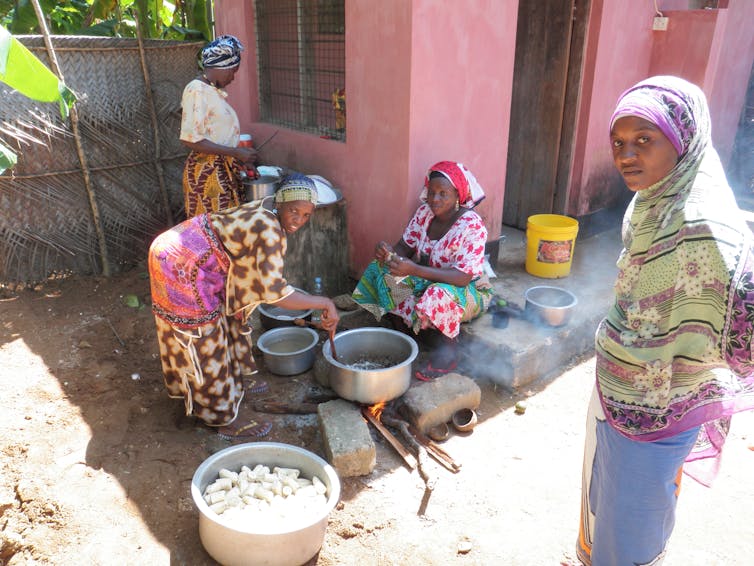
(273, 316)
(548, 305)
(389, 351)
(288, 350)
(264, 186)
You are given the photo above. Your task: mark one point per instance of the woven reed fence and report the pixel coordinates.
(128, 131)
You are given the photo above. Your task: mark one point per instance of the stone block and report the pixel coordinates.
(432, 403)
(348, 444)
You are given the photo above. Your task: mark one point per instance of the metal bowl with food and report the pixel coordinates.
(373, 364)
(231, 542)
(289, 350)
(552, 306)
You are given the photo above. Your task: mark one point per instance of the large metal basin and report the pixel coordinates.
(232, 543)
(373, 365)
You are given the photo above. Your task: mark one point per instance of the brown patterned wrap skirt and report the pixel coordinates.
(205, 366)
(210, 183)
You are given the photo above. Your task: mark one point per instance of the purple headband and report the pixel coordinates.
(661, 106)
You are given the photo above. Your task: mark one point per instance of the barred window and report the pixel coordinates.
(302, 78)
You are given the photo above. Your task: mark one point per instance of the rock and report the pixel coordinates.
(345, 303)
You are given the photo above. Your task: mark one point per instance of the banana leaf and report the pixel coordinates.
(22, 71)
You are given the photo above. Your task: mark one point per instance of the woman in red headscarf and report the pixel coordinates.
(432, 279)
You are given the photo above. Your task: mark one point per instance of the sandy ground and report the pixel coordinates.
(96, 461)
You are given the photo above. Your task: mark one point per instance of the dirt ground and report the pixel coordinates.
(96, 461)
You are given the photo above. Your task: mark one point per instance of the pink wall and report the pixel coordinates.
(713, 48)
(371, 167)
(728, 73)
(461, 93)
(674, 54)
(407, 107)
(427, 81)
(618, 51)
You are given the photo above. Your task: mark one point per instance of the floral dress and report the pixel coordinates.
(427, 304)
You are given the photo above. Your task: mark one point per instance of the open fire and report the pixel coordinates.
(373, 415)
(419, 441)
(376, 410)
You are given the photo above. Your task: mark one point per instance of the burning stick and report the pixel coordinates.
(394, 442)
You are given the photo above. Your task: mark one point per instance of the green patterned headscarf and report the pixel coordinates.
(296, 187)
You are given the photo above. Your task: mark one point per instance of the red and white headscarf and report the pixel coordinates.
(469, 190)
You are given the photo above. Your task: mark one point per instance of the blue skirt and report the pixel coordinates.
(629, 495)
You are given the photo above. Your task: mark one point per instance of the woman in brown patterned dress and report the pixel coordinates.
(207, 275)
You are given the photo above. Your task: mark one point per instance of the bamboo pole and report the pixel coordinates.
(155, 126)
(79, 147)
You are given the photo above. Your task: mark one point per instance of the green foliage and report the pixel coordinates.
(160, 19)
(7, 157)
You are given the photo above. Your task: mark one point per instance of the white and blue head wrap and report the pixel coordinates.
(222, 53)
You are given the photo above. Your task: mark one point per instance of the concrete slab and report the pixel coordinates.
(526, 351)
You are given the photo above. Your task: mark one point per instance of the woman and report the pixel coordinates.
(432, 279)
(679, 324)
(207, 275)
(210, 129)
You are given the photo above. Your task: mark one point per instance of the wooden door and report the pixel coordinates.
(549, 51)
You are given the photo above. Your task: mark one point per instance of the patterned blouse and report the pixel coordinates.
(206, 115)
(222, 263)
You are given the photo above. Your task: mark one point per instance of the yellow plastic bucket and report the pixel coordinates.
(550, 241)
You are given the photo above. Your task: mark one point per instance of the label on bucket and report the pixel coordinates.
(550, 251)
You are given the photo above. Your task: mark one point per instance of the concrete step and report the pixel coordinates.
(526, 351)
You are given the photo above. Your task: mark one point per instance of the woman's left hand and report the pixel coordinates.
(399, 265)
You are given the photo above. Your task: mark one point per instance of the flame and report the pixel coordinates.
(376, 409)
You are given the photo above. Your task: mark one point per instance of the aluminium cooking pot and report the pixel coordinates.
(548, 305)
(263, 186)
(373, 365)
(231, 541)
(288, 350)
(273, 316)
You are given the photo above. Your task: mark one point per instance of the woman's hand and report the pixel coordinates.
(383, 252)
(246, 155)
(330, 317)
(400, 266)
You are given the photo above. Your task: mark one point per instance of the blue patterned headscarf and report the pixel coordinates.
(222, 53)
(296, 187)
